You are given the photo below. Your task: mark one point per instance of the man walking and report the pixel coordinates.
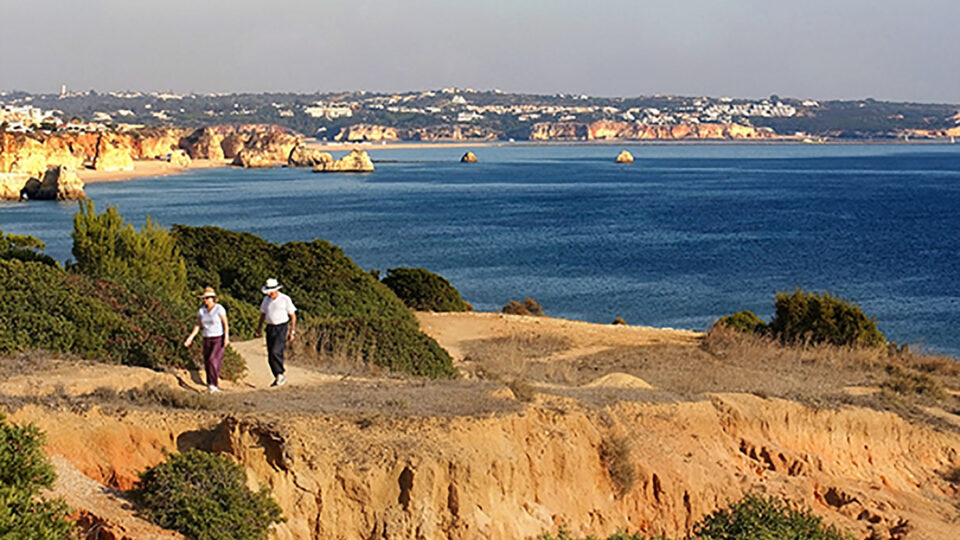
(280, 314)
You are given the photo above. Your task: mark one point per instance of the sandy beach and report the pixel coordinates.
(146, 168)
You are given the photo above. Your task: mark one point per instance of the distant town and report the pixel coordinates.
(466, 113)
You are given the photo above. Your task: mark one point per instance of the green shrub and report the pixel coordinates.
(821, 318)
(760, 518)
(205, 496)
(48, 308)
(24, 471)
(379, 342)
(24, 248)
(107, 247)
(528, 307)
(420, 289)
(744, 321)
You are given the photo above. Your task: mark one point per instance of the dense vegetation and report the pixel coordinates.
(752, 518)
(344, 312)
(805, 317)
(124, 301)
(205, 496)
(423, 290)
(24, 471)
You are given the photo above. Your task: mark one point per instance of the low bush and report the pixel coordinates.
(821, 318)
(377, 342)
(422, 290)
(756, 517)
(744, 321)
(529, 306)
(205, 496)
(24, 471)
(48, 308)
(752, 518)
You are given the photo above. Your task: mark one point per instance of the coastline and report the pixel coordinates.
(157, 168)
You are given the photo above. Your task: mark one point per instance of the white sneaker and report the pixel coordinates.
(213, 389)
(281, 379)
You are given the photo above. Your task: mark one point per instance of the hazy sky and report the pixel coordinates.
(886, 49)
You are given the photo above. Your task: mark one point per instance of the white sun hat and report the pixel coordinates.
(272, 285)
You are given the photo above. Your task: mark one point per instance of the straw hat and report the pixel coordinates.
(272, 285)
(208, 291)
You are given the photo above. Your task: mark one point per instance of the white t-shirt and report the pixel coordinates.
(210, 320)
(277, 311)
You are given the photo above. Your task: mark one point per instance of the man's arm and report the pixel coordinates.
(293, 325)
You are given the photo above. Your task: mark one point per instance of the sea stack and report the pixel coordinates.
(356, 161)
(625, 157)
(469, 157)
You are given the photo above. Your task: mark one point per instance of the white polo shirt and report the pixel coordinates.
(278, 310)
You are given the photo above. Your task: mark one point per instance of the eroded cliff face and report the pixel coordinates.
(517, 475)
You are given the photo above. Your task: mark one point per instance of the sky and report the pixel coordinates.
(820, 49)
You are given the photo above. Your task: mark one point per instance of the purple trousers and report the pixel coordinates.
(213, 359)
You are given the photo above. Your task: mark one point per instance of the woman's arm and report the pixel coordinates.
(196, 329)
(226, 330)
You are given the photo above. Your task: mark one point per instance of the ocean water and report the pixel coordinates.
(683, 236)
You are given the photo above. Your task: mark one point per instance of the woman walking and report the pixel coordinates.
(212, 317)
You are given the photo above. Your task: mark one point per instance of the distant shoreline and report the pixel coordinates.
(158, 168)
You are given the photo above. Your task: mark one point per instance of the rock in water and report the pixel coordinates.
(469, 157)
(179, 158)
(304, 156)
(59, 183)
(625, 157)
(356, 161)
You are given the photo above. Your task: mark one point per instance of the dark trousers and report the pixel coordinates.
(276, 345)
(213, 358)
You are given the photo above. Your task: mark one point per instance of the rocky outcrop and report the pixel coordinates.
(266, 149)
(31, 154)
(469, 157)
(59, 183)
(158, 143)
(113, 154)
(304, 156)
(624, 157)
(367, 132)
(232, 144)
(356, 161)
(11, 184)
(204, 143)
(179, 158)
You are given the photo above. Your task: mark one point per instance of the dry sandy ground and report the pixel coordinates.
(146, 168)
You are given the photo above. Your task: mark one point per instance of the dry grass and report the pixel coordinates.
(615, 455)
(517, 356)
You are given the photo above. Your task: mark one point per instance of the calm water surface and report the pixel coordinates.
(684, 235)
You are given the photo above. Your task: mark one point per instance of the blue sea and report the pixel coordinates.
(684, 235)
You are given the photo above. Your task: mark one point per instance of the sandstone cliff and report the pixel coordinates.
(368, 132)
(59, 183)
(267, 149)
